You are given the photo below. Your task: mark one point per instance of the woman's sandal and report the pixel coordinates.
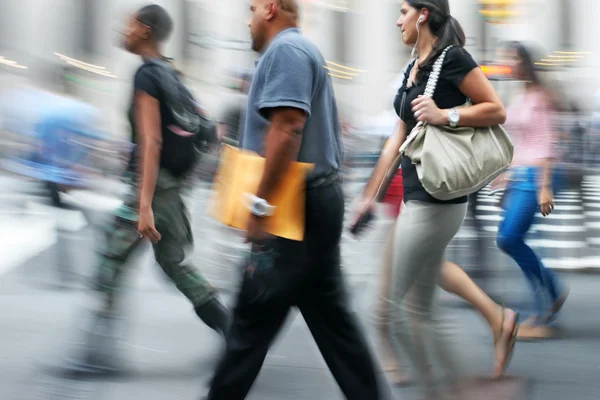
(510, 344)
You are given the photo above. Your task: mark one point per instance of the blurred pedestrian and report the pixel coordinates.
(531, 186)
(154, 208)
(292, 116)
(503, 322)
(426, 225)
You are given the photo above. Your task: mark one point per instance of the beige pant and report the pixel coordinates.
(422, 233)
(385, 283)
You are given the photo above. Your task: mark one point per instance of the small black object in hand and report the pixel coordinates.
(362, 223)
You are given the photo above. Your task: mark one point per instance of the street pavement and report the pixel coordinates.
(170, 355)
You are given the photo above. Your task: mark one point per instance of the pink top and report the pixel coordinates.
(529, 122)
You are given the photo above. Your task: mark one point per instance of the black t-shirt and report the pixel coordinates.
(457, 64)
(177, 154)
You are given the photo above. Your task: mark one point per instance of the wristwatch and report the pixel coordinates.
(259, 207)
(453, 118)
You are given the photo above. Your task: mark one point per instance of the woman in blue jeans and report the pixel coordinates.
(530, 188)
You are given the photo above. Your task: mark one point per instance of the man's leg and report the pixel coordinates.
(99, 352)
(122, 238)
(265, 298)
(176, 240)
(337, 333)
(324, 302)
(191, 283)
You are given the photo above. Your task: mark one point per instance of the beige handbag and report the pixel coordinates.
(454, 162)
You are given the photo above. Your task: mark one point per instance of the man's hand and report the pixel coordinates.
(146, 225)
(221, 132)
(255, 231)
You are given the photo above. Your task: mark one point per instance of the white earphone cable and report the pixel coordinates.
(412, 53)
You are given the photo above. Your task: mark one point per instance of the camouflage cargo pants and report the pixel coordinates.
(172, 222)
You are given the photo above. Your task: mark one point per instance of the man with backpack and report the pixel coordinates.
(167, 126)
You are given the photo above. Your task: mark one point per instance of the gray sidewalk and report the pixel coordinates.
(171, 354)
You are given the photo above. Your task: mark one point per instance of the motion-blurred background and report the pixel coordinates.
(65, 87)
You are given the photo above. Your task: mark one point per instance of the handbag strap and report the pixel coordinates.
(429, 91)
(432, 82)
(435, 74)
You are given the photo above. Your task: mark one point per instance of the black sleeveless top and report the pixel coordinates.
(457, 64)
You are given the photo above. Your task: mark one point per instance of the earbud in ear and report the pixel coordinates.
(420, 19)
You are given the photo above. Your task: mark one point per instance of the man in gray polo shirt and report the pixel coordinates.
(292, 116)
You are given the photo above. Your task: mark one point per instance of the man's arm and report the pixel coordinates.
(285, 101)
(148, 124)
(282, 145)
(148, 121)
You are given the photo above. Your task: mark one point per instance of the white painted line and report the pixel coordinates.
(90, 200)
(560, 207)
(559, 228)
(490, 218)
(488, 200)
(23, 238)
(569, 193)
(594, 241)
(68, 220)
(542, 228)
(592, 225)
(559, 200)
(560, 216)
(568, 196)
(572, 263)
(488, 208)
(556, 244)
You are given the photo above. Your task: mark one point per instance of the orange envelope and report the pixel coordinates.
(240, 172)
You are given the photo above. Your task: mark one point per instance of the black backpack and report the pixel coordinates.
(189, 115)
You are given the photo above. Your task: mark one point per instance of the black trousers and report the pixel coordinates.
(306, 275)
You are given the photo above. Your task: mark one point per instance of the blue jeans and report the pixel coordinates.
(520, 206)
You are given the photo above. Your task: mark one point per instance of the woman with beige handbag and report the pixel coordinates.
(427, 224)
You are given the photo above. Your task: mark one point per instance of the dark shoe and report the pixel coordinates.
(215, 315)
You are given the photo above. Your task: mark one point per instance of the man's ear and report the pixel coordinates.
(272, 9)
(146, 31)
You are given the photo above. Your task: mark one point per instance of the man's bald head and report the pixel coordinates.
(269, 17)
(291, 7)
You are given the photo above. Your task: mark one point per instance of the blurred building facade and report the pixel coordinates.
(359, 39)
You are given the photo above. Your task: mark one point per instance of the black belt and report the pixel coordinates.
(324, 180)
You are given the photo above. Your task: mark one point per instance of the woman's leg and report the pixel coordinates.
(502, 322)
(521, 207)
(422, 234)
(391, 365)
